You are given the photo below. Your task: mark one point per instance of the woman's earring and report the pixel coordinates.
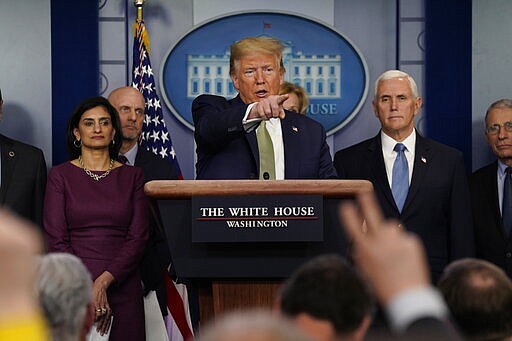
(77, 143)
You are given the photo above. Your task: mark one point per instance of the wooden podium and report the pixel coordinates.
(240, 275)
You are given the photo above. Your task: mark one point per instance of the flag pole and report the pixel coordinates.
(155, 137)
(139, 4)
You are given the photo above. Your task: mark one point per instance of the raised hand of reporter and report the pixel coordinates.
(392, 259)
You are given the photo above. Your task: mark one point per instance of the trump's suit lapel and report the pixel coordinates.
(291, 142)
(250, 137)
(378, 169)
(253, 145)
(8, 162)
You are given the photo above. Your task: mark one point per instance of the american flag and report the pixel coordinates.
(155, 137)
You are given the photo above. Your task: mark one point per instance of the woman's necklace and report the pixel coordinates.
(91, 174)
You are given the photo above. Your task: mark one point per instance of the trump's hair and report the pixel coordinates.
(248, 45)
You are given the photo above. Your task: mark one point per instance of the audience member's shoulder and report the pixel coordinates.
(24, 147)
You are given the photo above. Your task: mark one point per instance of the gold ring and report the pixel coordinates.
(98, 310)
(103, 310)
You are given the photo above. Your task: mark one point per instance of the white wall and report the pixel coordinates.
(25, 72)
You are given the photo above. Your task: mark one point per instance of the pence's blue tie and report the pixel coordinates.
(506, 209)
(400, 178)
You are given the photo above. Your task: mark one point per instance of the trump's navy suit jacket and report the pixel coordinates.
(437, 207)
(23, 179)
(491, 243)
(226, 151)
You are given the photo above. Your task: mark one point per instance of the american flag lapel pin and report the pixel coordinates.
(424, 160)
(295, 129)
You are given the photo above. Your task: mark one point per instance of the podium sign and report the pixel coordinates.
(250, 259)
(258, 218)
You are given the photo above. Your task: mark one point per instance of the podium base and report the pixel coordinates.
(220, 296)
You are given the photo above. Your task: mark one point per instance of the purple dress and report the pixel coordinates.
(105, 224)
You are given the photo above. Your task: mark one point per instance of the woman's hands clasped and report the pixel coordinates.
(102, 311)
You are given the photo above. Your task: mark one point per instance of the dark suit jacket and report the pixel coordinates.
(422, 329)
(156, 256)
(23, 179)
(430, 329)
(437, 207)
(491, 243)
(226, 151)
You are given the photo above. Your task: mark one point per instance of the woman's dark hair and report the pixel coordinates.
(74, 120)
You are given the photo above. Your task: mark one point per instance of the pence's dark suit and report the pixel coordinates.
(226, 151)
(23, 178)
(437, 207)
(491, 243)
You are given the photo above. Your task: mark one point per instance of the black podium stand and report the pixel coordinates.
(245, 274)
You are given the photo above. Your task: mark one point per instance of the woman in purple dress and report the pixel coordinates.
(95, 208)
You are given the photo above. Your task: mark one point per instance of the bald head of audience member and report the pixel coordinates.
(251, 326)
(479, 295)
(328, 300)
(65, 294)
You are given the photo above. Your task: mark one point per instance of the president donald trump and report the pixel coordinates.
(251, 136)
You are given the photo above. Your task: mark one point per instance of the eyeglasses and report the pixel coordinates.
(495, 128)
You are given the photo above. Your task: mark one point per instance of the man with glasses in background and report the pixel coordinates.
(491, 190)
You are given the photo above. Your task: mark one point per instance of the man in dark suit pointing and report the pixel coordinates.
(23, 177)
(251, 136)
(488, 190)
(417, 180)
